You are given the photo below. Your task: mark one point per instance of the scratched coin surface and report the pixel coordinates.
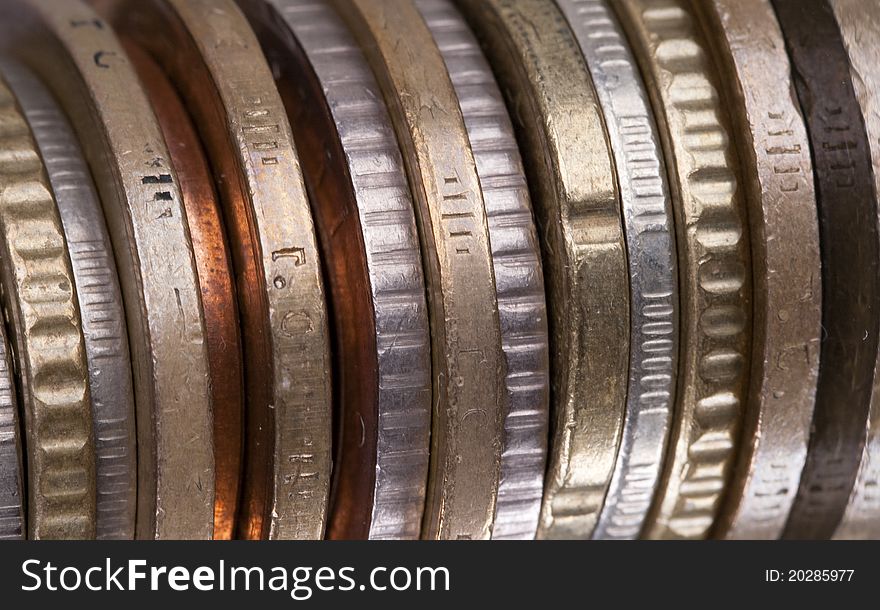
(647, 214)
(367, 228)
(12, 499)
(213, 58)
(100, 301)
(468, 363)
(519, 278)
(713, 249)
(778, 183)
(859, 23)
(81, 61)
(568, 161)
(848, 233)
(43, 318)
(215, 284)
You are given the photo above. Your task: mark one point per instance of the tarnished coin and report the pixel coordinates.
(39, 305)
(78, 56)
(778, 183)
(859, 23)
(468, 363)
(213, 59)
(716, 282)
(647, 214)
(848, 233)
(366, 225)
(12, 499)
(548, 89)
(215, 283)
(100, 301)
(519, 278)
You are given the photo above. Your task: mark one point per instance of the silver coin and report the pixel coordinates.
(519, 277)
(100, 300)
(859, 24)
(12, 504)
(647, 212)
(393, 264)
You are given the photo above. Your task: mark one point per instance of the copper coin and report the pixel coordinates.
(216, 284)
(80, 59)
(366, 224)
(213, 59)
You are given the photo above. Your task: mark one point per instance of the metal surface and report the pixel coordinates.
(367, 228)
(213, 58)
(40, 306)
(215, 283)
(778, 183)
(468, 363)
(848, 232)
(715, 273)
(541, 70)
(859, 23)
(519, 278)
(654, 299)
(80, 60)
(100, 301)
(12, 498)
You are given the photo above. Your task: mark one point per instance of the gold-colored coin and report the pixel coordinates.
(99, 296)
(714, 264)
(859, 23)
(79, 57)
(214, 60)
(778, 185)
(466, 338)
(215, 281)
(568, 161)
(40, 307)
(366, 225)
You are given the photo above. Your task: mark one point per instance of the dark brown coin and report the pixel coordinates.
(849, 250)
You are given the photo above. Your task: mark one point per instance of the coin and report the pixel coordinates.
(367, 228)
(81, 61)
(213, 58)
(859, 24)
(43, 318)
(215, 282)
(647, 214)
(519, 278)
(714, 263)
(849, 248)
(781, 199)
(100, 301)
(568, 162)
(12, 500)
(468, 363)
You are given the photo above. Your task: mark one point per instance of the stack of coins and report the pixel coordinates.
(439, 269)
